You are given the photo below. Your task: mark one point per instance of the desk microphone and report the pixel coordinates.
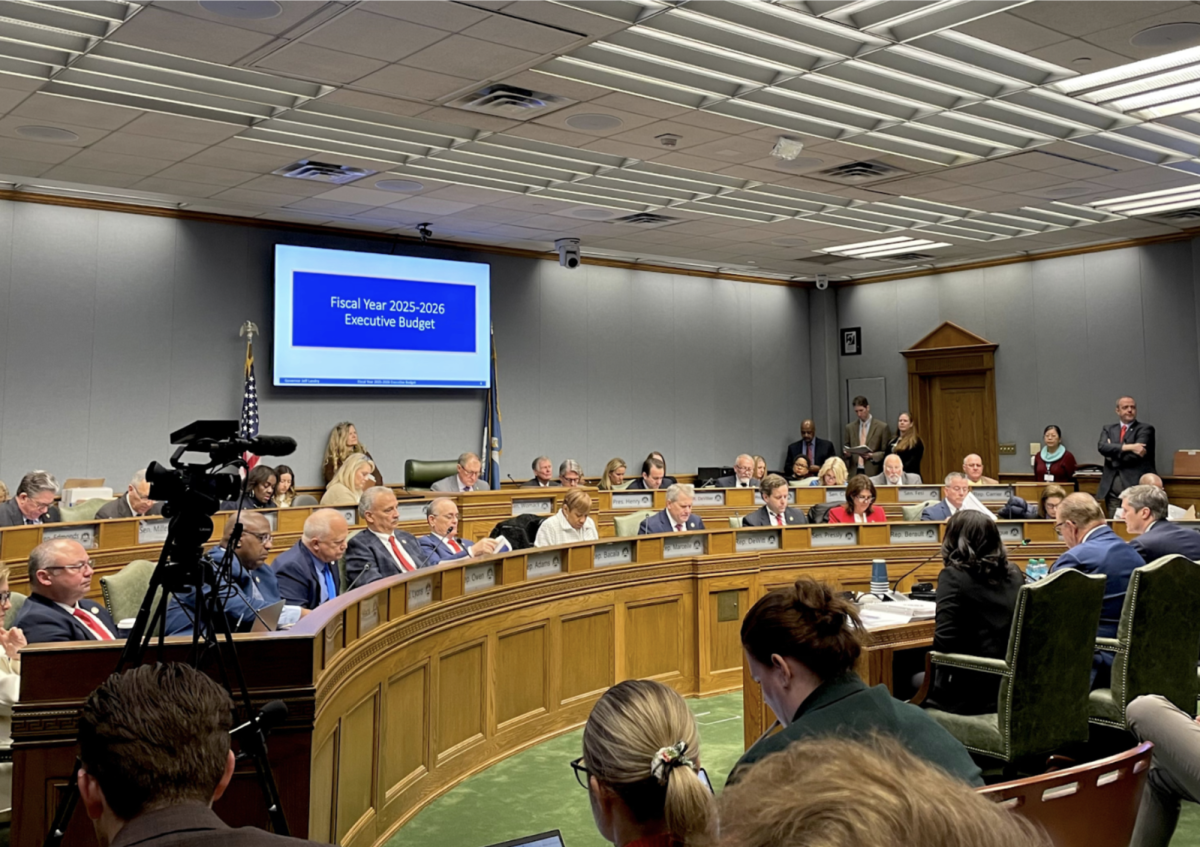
(510, 479)
(910, 572)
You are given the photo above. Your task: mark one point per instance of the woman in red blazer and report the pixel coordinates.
(860, 503)
(1053, 463)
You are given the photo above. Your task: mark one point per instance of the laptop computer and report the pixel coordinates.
(267, 619)
(553, 838)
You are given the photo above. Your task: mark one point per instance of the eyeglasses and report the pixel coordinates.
(264, 537)
(864, 498)
(466, 472)
(582, 774)
(5, 596)
(1058, 529)
(78, 567)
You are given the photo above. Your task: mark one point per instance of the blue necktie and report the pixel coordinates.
(327, 574)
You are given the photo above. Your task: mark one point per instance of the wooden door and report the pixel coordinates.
(959, 406)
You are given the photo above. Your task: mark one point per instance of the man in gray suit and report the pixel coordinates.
(867, 432)
(543, 474)
(893, 473)
(33, 503)
(465, 479)
(135, 503)
(743, 474)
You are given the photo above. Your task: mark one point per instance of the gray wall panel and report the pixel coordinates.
(6, 307)
(1008, 301)
(613, 386)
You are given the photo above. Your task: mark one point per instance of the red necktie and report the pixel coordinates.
(1124, 427)
(404, 560)
(452, 545)
(679, 527)
(779, 520)
(94, 625)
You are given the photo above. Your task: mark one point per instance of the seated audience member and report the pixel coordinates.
(743, 474)
(466, 478)
(816, 451)
(570, 524)
(894, 473)
(614, 475)
(1054, 462)
(775, 510)
(836, 792)
(677, 517)
(285, 486)
(1144, 510)
(832, 473)
(801, 643)
(860, 503)
(33, 503)
(254, 585)
(907, 444)
(1048, 502)
(1174, 513)
(135, 503)
(260, 488)
(653, 474)
(352, 479)
(442, 543)
(799, 470)
(155, 756)
(11, 641)
(3, 492)
(570, 474)
(668, 480)
(1174, 771)
(1093, 548)
(543, 474)
(760, 468)
(640, 765)
(344, 443)
(956, 494)
(60, 576)
(976, 595)
(381, 550)
(973, 468)
(308, 573)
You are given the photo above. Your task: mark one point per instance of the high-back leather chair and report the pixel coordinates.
(419, 473)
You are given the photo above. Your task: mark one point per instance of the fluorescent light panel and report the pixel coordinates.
(883, 247)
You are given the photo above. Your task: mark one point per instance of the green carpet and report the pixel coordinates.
(535, 791)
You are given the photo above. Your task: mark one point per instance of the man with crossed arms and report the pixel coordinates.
(381, 550)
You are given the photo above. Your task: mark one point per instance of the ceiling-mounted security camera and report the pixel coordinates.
(568, 252)
(822, 282)
(425, 232)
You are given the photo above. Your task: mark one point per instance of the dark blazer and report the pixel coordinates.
(119, 508)
(761, 518)
(732, 482)
(973, 617)
(822, 450)
(1164, 538)
(878, 435)
(240, 605)
(297, 577)
(1123, 469)
(639, 484)
(194, 825)
(939, 511)
(42, 620)
(846, 707)
(368, 560)
(436, 551)
(661, 522)
(906, 478)
(248, 504)
(910, 457)
(10, 514)
(533, 483)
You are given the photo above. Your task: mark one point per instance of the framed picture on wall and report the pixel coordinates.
(852, 341)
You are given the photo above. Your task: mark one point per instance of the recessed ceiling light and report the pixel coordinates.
(594, 122)
(47, 133)
(789, 241)
(590, 213)
(403, 186)
(244, 10)
(1173, 36)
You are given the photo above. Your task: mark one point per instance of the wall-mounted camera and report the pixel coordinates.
(425, 232)
(568, 252)
(822, 282)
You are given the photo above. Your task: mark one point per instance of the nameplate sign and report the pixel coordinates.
(543, 564)
(835, 495)
(533, 507)
(368, 614)
(918, 534)
(758, 500)
(478, 577)
(351, 515)
(153, 532)
(616, 553)
(709, 498)
(1011, 533)
(749, 542)
(834, 536)
(992, 493)
(677, 546)
(87, 535)
(412, 512)
(420, 593)
(918, 494)
(633, 500)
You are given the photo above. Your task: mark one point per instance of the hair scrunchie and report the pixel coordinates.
(667, 759)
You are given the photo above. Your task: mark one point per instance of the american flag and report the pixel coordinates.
(249, 423)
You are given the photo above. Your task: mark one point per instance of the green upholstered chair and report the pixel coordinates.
(735, 522)
(627, 525)
(124, 590)
(623, 485)
(18, 600)
(84, 511)
(1044, 678)
(419, 473)
(913, 512)
(306, 500)
(1155, 648)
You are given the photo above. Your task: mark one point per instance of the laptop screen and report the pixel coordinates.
(553, 838)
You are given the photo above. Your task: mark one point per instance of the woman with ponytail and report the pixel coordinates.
(801, 643)
(640, 764)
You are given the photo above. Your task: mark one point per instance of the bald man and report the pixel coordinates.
(308, 573)
(1174, 513)
(816, 450)
(60, 576)
(973, 468)
(743, 474)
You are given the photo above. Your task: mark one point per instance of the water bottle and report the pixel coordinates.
(1036, 569)
(879, 578)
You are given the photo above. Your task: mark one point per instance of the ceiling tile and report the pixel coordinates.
(292, 13)
(565, 17)
(206, 175)
(1080, 56)
(562, 116)
(176, 188)
(1024, 181)
(1070, 17)
(732, 149)
(1071, 191)
(102, 116)
(467, 194)
(1009, 30)
(1146, 177)
(375, 102)
(525, 35)
(976, 174)
(129, 144)
(493, 214)
(102, 160)
(472, 58)
(363, 196)
(640, 105)
(155, 28)
(629, 151)
(87, 135)
(475, 120)
(285, 185)
(1117, 38)
(332, 207)
(1078, 170)
(22, 167)
(547, 84)
(958, 194)
(551, 135)
(182, 129)
(715, 122)
(689, 136)
(90, 177)
(433, 207)
(317, 63)
(35, 151)
(440, 14)
(258, 198)
(361, 33)
(422, 85)
(263, 159)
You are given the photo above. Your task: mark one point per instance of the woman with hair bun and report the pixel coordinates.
(801, 643)
(640, 765)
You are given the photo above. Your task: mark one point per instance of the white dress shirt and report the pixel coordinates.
(385, 538)
(556, 529)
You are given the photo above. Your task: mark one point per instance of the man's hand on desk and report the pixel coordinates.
(484, 547)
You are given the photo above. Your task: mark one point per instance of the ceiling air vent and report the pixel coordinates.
(516, 103)
(908, 258)
(824, 260)
(1180, 215)
(323, 172)
(855, 173)
(645, 219)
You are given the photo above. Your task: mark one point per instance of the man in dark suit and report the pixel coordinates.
(307, 574)
(381, 550)
(135, 503)
(956, 495)
(816, 450)
(1093, 548)
(743, 474)
(775, 510)
(60, 576)
(867, 432)
(1145, 510)
(677, 517)
(543, 472)
(33, 503)
(154, 750)
(653, 472)
(1128, 450)
(442, 543)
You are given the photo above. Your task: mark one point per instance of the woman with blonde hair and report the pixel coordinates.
(571, 524)
(640, 765)
(3, 492)
(760, 468)
(351, 480)
(833, 472)
(344, 443)
(614, 474)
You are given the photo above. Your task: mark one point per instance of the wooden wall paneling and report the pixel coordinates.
(357, 759)
(461, 707)
(323, 789)
(720, 642)
(587, 654)
(522, 669)
(404, 740)
(654, 639)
